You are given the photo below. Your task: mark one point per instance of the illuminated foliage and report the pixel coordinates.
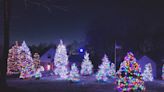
(86, 66)
(61, 61)
(74, 73)
(26, 64)
(147, 74)
(129, 75)
(13, 60)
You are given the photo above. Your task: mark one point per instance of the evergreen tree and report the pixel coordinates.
(147, 74)
(101, 74)
(86, 66)
(13, 60)
(112, 70)
(26, 62)
(74, 73)
(36, 60)
(61, 61)
(37, 66)
(104, 69)
(129, 75)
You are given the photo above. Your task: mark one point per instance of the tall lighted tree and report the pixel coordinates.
(61, 61)
(163, 72)
(13, 60)
(74, 73)
(104, 69)
(147, 74)
(129, 75)
(26, 64)
(86, 66)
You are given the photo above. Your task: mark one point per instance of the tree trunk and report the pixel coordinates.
(3, 64)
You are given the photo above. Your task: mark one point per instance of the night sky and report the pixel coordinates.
(69, 20)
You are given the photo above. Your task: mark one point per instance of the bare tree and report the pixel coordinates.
(3, 64)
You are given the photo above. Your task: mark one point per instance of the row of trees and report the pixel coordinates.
(61, 65)
(20, 55)
(106, 69)
(128, 78)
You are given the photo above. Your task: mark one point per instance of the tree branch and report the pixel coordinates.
(45, 4)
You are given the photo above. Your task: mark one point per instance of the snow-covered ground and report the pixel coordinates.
(87, 84)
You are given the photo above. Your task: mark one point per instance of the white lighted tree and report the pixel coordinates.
(112, 70)
(104, 69)
(101, 74)
(26, 65)
(61, 61)
(147, 74)
(86, 66)
(74, 73)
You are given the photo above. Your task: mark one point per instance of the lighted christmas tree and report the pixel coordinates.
(112, 70)
(74, 73)
(26, 64)
(86, 66)
(36, 61)
(104, 69)
(129, 75)
(61, 61)
(163, 72)
(147, 74)
(13, 60)
(101, 74)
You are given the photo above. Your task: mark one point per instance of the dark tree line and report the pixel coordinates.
(41, 48)
(138, 29)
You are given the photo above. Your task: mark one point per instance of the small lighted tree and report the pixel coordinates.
(112, 70)
(37, 66)
(74, 73)
(61, 61)
(13, 59)
(36, 60)
(163, 72)
(147, 74)
(86, 66)
(101, 74)
(104, 69)
(129, 75)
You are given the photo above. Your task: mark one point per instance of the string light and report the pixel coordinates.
(129, 75)
(147, 74)
(86, 66)
(61, 61)
(74, 73)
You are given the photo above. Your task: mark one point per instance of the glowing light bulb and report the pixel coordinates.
(81, 50)
(48, 67)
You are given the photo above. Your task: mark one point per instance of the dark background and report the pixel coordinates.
(135, 25)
